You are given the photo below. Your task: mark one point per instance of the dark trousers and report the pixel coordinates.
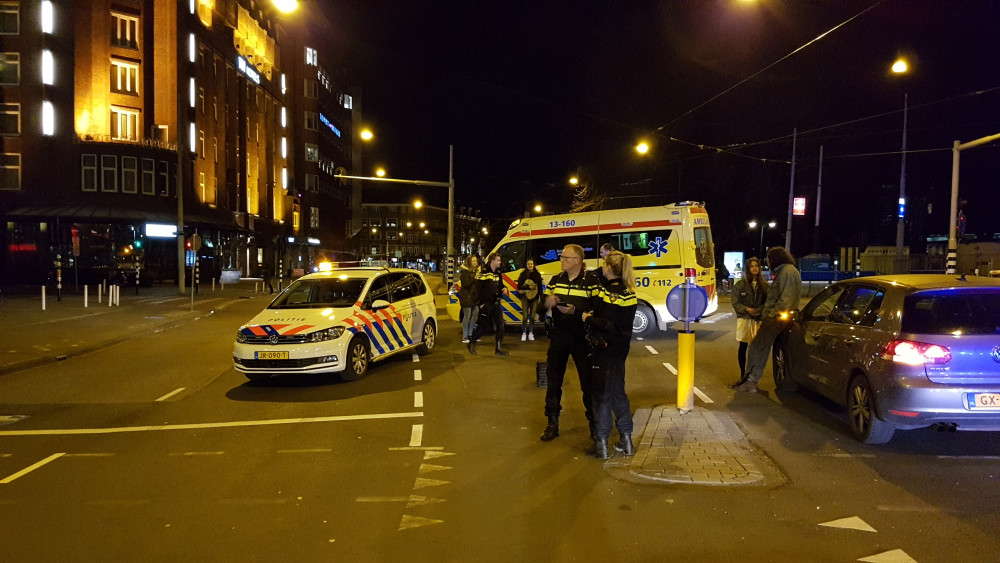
(561, 347)
(490, 315)
(760, 349)
(609, 394)
(742, 359)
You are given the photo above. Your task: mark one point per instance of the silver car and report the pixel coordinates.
(901, 352)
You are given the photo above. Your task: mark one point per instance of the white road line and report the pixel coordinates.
(307, 451)
(416, 357)
(715, 318)
(672, 369)
(31, 468)
(651, 350)
(416, 435)
(171, 394)
(417, 375)
(91, 455)
(415, 448)
(382, 499)
(203, 425)
(189, 454)
(702, 396)
(418, 399)
(968, 457)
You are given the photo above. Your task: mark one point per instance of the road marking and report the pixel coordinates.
(171, 394)
(889, 508)
(416, 357)
(852, 523)
(418, 399)
(844, 455)
(90, 455)
(417, 375)
(651, 350)
(963, 457)
(416, 435)
(415, 522)
(382, 499)
(894, 556)
(702, 396)
(714, 318)
(306, 451)
(31, 468)
(204, 425)
(412, 448)
(429, 467)
(422, 483)
(434, 455)
(194, 453)
(672, 369)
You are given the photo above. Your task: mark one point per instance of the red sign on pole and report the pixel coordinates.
(799, 206)
(76, 240)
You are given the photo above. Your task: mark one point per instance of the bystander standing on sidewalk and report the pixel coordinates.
(748, 300)
(468, 295)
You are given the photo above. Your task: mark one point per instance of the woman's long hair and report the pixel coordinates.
(620, 265)
(750, 278)
(468, 262)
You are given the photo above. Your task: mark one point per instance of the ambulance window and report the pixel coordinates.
(548, 250)
(512, 256)
(644, 244)
(704, 252)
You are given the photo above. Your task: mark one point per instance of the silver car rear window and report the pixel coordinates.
(951, 312)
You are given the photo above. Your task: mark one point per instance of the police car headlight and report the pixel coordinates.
(328, 334)
(240, 337)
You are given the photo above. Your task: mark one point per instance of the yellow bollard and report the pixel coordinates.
(685, 371)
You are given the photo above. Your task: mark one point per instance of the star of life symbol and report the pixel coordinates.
(658, 247)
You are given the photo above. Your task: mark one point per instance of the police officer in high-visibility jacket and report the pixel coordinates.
(568, 294)
(491, 291)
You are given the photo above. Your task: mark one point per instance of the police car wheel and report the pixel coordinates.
(428, 338)
(644, 322)
(358, 358)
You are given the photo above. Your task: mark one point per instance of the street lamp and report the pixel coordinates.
(753, 225)
(642, 148)
(901, 67)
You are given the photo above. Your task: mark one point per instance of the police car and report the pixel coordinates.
(338, 321)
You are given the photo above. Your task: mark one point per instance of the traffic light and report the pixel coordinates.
(138, 244)
(187, 243)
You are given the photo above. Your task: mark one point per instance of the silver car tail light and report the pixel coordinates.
(915, 353)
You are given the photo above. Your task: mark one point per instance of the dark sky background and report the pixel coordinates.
(530, 93)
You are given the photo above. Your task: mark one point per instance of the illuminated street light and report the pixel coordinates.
(422, 224)
(486, 231)
(642, 148)
(753, 225)
(409, 224)
(285, 6)
(900, 67)
(418, 204)
(366, 135)
(574, 181)
(380, 172)
(538, 208)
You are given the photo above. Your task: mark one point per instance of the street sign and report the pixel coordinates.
(195, 242)
(697, 302)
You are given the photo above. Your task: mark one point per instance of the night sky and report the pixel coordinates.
(530, 93)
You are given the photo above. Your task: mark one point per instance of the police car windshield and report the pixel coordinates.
(320, 293)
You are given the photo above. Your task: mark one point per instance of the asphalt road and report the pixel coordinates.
(154, 449)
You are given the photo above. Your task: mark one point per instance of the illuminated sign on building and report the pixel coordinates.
(247, 69)
(161, 230)
(330, 125)
(799, 206)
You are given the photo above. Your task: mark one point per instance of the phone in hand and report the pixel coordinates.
(566, 308)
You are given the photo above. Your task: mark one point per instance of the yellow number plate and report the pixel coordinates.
(270, 355)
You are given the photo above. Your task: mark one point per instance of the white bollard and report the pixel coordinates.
(118, 295)
(85, 288)
(100, 291)
(43, 297)
(213, 285)
(111, 289)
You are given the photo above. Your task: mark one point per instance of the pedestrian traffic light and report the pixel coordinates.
(187, 243)
(138, 244)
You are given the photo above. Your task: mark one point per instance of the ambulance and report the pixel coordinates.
(662, 241)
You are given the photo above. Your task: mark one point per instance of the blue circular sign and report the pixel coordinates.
(697, 301)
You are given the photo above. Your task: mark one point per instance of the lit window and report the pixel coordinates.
(48, 67)
(348, 102)
(48, 17)
(312, 153)
(10, 17)
(201, 144)
(284, 178)
(124, 124)
(284, 120)
(311, 56)
(124, 77)
(48, 119)
(10, 68)
(124, 31)
(191, 47)
(284, 147)
(10, 119)
(10, 171)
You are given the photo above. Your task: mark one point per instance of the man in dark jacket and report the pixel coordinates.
(568, 294)
(491, 291)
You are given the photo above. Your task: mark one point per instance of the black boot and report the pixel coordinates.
(599, 449)
(625, 445)
(471, 346)
(552, 430)
(501, 352)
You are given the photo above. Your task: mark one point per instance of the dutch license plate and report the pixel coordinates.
(270, 355)
(984, 401)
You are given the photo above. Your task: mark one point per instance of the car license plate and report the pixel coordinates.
(984, 401)
(270, 355)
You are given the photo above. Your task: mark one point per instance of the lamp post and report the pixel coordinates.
(900, 67)
(753, 225)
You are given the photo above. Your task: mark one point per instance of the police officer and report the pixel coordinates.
(491, 290)
(568, 294)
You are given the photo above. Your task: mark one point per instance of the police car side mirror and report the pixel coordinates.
(379, 304)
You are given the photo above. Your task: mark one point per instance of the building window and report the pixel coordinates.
(201, 99)
(48, 67)
(215, 149)
(109, 173)
(201, 186)
(348, 102)
(314, 217)
(124, 31)
(10, 171)
(215, 107)
(124, 77)
(164, 181)
(311, 89)
(124, 124)
(312, 153)
(148, 176)
(10, 23)
(88, 172)
(129, 175)
(312, 182)
(10, 68)
(311, 57)
(10, 119)
(312, 121)
(201, 144)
